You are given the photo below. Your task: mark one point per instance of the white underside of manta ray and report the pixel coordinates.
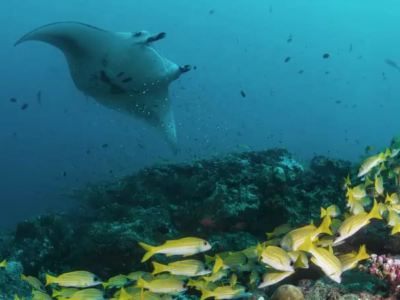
(121, 70)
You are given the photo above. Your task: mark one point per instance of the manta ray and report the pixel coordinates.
(121, 70)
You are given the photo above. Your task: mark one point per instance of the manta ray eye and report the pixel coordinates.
(136, 34)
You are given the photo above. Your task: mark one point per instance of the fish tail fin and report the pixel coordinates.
(150, 251)
(362, 253)
(374, 213)
(209, 259)
(158, 268)
(323, 212)
(23, 277)
(218, 263)
(141, 283)
(3, 264)
(396, 228)
(325, 225)
(50, 279)
(104, 284)
(269, 235)
(307, 246)
(205, 294)
(55, 293)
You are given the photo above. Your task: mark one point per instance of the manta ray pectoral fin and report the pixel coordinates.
(160, 115)
(72, 38)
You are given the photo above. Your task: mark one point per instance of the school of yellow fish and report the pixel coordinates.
(265, 264)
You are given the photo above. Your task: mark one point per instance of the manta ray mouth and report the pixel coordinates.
(121, 70)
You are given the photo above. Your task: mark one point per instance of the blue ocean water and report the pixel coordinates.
(336, 106)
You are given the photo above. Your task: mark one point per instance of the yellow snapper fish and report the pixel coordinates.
(125, 293)
(354, 223)
(254, 278)
(346, 182)
(393, 219)
(88, 294)
(299, 258)
(201, 284)
(226, 292)
(216, 276)
(3, 264)
(293, 239)
(335, 225)
(163, 286)
(392, 199)
(350, 260)
(271, 278)
(116, 281)
(333, 211)
(33, 282)
(357, 207)
(368, 182)
(325, 259)
(64, 292)
(357, 192)
(39, 295)
(234, 260)
(371, 163)
(186, 247)
(233, 280)
(74, 279)
(277, 258)
(379, 185)
(278, 231)
(251, 253)
(189, 267)
(134, 276)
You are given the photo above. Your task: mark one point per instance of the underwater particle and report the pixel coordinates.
(327, 72)
(194, 67)
(13, 100)
(326, 55)
(211, 12)
(104, 145)
(338, 101)
(24, 106)
(300, 72)
(289, 40)
(243, 94)
(287, 59)
(64, 174)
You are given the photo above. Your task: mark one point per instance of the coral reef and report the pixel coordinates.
(229, 200)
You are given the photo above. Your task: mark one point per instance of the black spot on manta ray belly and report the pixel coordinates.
(104, 77)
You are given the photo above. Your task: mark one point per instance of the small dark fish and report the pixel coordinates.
(140, 146)
(64, 174)
(88, 152)
(327, 72)
(351, 48)
(392, 64)
(287, 59)
(326, 55)
(104, 145)
(338, 101)
(13, 100)
(194, 67)
(243, 94)
(39, 97)
(211, 12)
(120, 74)
(24, 106)
(289, 39)
(127, 80)
(301, 72)
(270, 9)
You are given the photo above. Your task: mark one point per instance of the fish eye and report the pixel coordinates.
(205, 243)
(136, 34)
(337, 234)
(291, 263)
(95, 278)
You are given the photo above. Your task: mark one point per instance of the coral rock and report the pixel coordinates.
(287, 292)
